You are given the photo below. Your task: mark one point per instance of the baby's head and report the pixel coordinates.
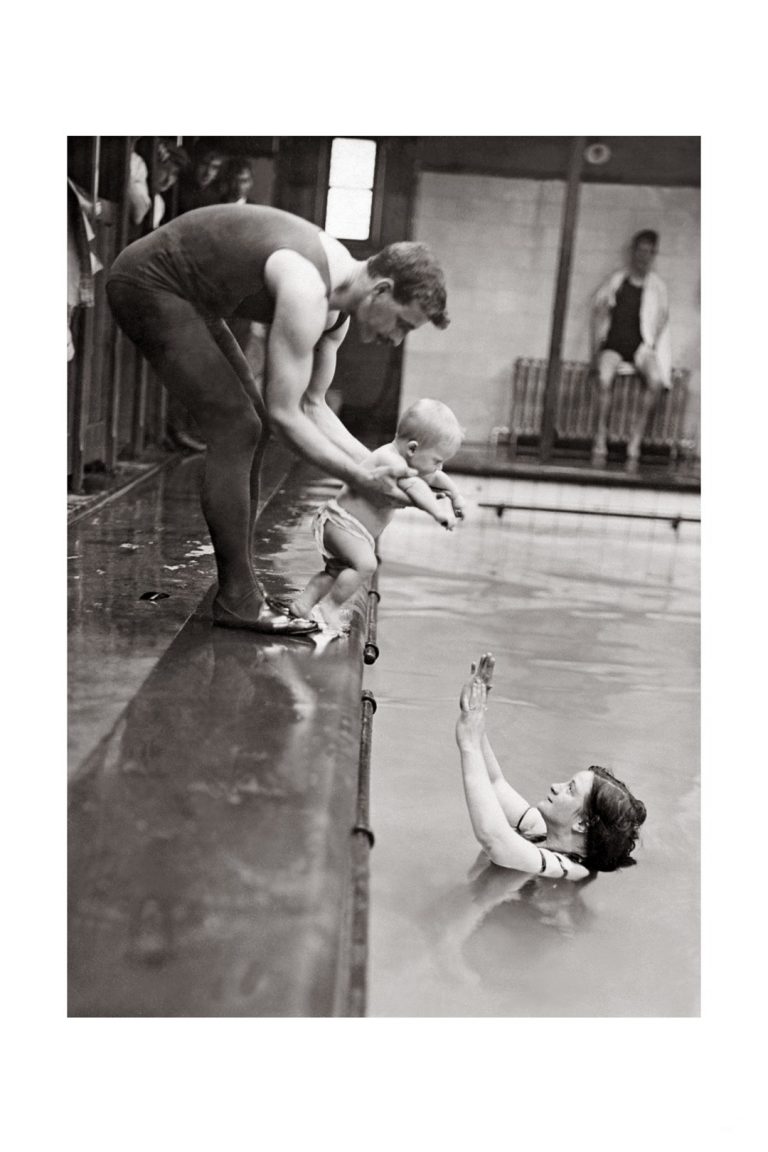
(427, 435)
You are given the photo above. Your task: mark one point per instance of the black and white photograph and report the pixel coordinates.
(383, 571)
(386, 704)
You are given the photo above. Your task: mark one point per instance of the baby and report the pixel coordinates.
(347, 527)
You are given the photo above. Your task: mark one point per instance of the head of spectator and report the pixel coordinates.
(165, 165)
(208, 166)
(239, 180)
(645, 245)
(170, 161)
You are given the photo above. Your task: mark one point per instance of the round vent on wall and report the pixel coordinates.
(597, 153)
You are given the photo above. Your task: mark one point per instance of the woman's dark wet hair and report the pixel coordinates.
(613, 817)
(416, 275)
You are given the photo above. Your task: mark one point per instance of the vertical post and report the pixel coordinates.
(95, 180)
(116, 375)
(323, 176)
(377, 206)
(570, 211)
(82, 396)
(139, 429)
(172, 201)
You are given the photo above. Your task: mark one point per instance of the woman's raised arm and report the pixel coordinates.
(521, 815)
(489, 822)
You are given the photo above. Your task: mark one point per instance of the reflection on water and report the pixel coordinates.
(595, 629)
(475, 922)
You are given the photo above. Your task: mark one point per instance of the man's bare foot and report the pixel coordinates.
(252, 612)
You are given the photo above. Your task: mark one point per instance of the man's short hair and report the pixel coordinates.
(647, 236)
(416, 276)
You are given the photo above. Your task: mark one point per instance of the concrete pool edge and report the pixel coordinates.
(210, 866)
(484, 460)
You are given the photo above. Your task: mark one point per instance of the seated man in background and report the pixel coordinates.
(630, 323)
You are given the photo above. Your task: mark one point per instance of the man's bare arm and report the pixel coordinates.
(314, 402)
(290, 358)
(300, 313)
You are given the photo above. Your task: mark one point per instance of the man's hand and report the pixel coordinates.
(379, 486)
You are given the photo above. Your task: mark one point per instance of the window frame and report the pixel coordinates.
(373, 240)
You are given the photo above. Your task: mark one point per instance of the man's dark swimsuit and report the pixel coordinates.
(171, 290)
(624, 334)
(215, 257)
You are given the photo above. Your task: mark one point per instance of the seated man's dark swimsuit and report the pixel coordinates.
(624, 334)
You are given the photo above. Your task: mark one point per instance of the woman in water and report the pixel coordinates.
(587, 824)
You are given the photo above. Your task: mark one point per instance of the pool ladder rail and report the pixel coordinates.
(362, 842)
(362, 833)
(371, 649)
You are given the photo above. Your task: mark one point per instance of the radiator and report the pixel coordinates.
(576, 413)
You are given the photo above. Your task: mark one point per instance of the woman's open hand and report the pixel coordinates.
(483, 670)
(470, 726)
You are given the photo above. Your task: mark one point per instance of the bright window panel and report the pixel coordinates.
(348, 214)
(353, 163)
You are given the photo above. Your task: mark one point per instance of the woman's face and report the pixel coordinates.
(565, 802)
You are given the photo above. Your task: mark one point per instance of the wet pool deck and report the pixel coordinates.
(213, 774)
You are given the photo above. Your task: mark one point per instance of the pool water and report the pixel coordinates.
(594, 622)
